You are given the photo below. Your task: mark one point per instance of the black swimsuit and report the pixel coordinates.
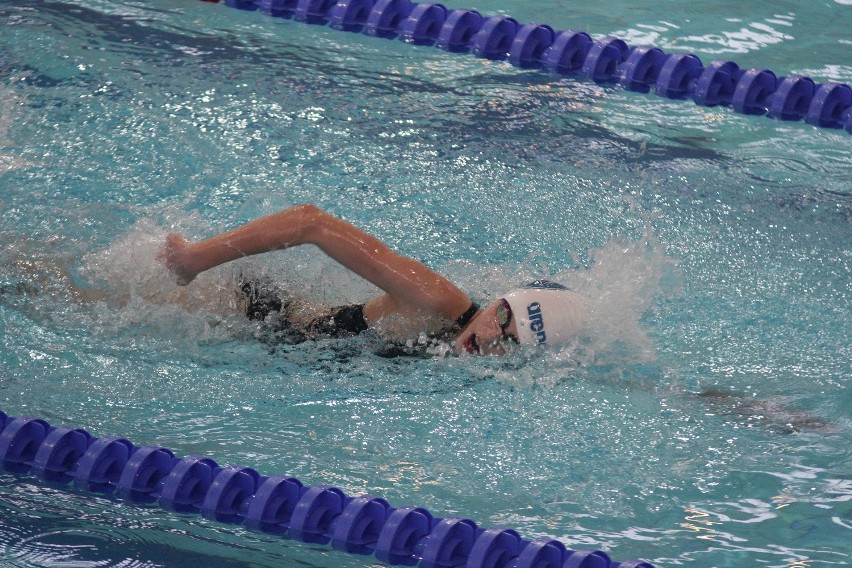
(345, 321)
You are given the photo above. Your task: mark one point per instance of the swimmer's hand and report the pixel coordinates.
(175, 256)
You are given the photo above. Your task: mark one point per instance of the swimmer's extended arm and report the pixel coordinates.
(410, 285)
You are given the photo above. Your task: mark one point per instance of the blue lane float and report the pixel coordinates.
(608, 60)
(320, 514)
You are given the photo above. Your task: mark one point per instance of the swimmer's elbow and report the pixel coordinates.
(308, 210)
(313, 219)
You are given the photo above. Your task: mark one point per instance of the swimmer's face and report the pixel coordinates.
(492, 332)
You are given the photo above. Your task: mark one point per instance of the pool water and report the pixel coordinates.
(703, 418)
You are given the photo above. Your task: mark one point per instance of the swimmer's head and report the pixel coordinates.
(540, 313)
(546, 313)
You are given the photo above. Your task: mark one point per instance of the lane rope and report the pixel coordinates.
(644, 69)
(280, 505)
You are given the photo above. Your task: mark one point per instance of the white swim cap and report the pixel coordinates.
(546, 313)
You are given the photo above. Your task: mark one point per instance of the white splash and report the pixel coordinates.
(136, 288)
(622, 283)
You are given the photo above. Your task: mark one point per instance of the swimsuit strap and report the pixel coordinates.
(465, 318)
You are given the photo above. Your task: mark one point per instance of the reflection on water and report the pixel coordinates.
(750, 37)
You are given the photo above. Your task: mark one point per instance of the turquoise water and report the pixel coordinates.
(704, 417)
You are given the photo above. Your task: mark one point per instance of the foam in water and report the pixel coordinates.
(622, 283)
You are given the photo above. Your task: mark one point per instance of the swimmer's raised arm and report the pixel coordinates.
(410, 285)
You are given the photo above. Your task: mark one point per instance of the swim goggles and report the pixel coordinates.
(504, 318)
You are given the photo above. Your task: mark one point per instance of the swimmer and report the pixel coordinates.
(541, 313)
